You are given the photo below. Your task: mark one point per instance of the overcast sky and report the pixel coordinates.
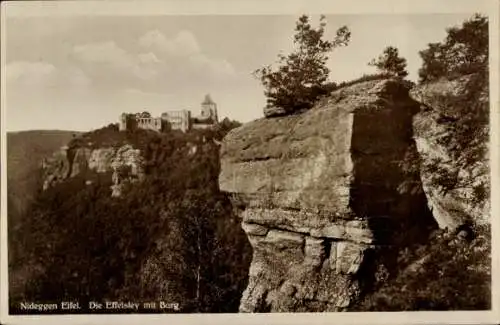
(80, 72)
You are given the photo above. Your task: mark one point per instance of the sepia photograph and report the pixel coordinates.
(227, 161)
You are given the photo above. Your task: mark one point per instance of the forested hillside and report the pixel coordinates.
(172, 237)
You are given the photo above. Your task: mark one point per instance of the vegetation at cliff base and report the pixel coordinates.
(447, 273)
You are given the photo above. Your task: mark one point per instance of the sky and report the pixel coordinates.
(80, 72)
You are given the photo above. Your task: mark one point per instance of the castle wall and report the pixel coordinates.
(149, 123)
(178, 120)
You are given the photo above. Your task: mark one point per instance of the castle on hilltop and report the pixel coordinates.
(175, 120)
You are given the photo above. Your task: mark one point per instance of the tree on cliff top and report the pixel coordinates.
(301, 77)
(390, 62)
(464, 51)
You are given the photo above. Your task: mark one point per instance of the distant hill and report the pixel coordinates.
(25, 151)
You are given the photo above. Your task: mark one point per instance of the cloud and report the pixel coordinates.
(148, 58)
(109, 55)
(217, 67)
(156, 63)
(105, 52)
(77, 77)
(183, 44)
(183, 54)
(25, 72)
(43, 75)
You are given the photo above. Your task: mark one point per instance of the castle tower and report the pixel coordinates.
(123, 122)
(209, 109)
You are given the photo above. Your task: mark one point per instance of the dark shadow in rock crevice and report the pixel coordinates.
(382, 140)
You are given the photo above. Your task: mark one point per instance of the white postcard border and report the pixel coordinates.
(268, 7)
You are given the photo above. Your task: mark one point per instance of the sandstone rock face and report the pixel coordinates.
(127, 167)
(125, 163)
(454, 207)
(80, 161)
(56, 168)
(318, 194)
(100, 159)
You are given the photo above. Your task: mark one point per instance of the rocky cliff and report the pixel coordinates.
(124, 163)
(433, 126)
(318, 195)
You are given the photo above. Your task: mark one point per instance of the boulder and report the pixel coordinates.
(324, 185)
